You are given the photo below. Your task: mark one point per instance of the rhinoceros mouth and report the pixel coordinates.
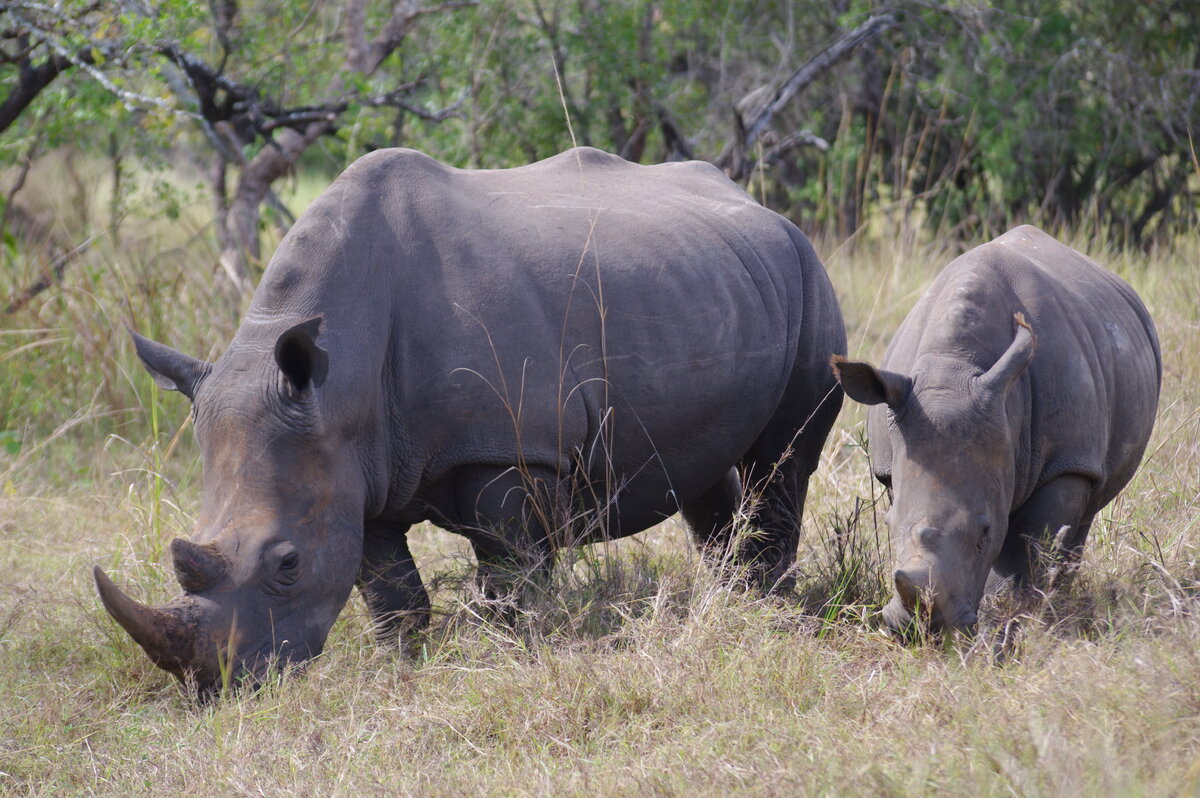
(906, 624)
(251, 671)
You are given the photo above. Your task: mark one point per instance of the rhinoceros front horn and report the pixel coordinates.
(167, 635)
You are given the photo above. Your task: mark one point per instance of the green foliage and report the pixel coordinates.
(1064, 110)
(971, 117)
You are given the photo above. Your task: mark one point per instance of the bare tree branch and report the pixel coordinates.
(439, 115)
(50, 275)
(31, 81)
(296, 129)
(733, 159)
(801, 138)
(84, 59)
(18, 184)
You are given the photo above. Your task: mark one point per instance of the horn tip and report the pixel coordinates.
(104, 585)
(111, 596)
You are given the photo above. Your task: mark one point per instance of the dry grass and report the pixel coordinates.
(638, 674)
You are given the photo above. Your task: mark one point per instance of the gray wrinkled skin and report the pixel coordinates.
(581, 344)
(1016, 399)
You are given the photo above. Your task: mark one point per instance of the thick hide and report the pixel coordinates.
(531, 357)
(1014, 402)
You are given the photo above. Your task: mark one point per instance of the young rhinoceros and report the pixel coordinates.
(1017, 398)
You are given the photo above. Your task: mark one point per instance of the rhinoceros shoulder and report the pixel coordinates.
(391, 160)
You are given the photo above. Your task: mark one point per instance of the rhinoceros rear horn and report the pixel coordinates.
(165, 634)
(171, 370)
(196, 567)
(1001, 376)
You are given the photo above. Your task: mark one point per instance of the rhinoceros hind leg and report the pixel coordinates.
(1036, 548)
(769, 548)
(777, 470)
(710, 517)
(391, 586)
(762, 552)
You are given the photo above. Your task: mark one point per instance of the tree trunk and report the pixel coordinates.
(238, 230)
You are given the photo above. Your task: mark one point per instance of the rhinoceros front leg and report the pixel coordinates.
(506, 514)
(1037, 549)
(391, 585)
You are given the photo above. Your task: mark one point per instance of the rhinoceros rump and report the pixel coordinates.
(1016, 399)
(530, 357)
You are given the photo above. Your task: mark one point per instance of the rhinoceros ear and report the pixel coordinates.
(864, 383)
(1001, 376)
(171, 370)
(302, 362)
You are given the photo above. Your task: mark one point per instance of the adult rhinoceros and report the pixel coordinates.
(572, 349)
(989, 449)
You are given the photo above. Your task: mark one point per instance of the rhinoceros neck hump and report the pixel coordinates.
(967, 322)
(337, 259)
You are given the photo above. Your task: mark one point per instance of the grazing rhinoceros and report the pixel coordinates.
(1016, 398)
(529, 357)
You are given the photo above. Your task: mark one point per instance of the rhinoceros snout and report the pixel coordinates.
(916, 595)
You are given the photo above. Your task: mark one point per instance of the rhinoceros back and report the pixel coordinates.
(1096, 377)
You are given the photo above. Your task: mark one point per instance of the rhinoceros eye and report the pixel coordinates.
(985, 532)
(282, 565)
(289, 567)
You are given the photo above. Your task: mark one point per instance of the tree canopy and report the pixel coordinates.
(958, 114)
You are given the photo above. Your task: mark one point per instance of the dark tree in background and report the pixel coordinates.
(959, 117)
(245, 86)
(963, 117)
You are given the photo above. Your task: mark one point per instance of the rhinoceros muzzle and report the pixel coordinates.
(915, 597)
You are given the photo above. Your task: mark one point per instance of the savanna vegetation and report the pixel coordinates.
(154, 153)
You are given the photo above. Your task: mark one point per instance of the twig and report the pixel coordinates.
(18, 184)
(84, 61)
(52, 274)
(733, 159)
(801, 138)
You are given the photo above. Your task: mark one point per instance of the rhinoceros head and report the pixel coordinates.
(279, 537)
(953, 472)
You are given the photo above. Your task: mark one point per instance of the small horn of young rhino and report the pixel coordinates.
(911, 582)
(166, 634)
(1015, 359)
